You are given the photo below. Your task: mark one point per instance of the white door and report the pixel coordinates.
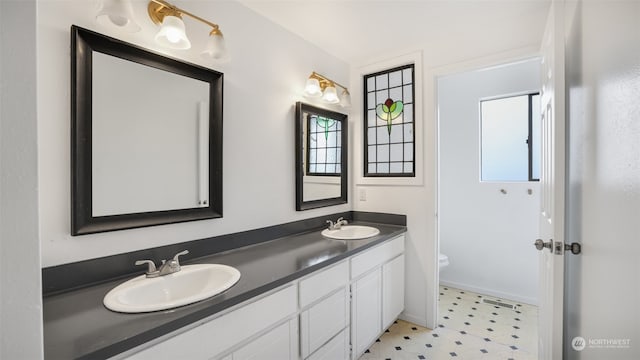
(552, 187)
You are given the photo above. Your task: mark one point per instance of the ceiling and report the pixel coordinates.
(361, 31)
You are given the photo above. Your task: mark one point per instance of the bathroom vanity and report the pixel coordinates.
(312, 312)
(301, 296)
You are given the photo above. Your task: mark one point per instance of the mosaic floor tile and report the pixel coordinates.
(470, 329)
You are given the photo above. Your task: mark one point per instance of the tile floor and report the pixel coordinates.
(469, 329)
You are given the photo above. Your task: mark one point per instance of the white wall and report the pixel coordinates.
(603, 184)
(486, 234)
(264, 78)
(418, 199)
(21, 298)
(409, 196)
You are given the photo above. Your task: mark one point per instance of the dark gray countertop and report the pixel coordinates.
(77, 325)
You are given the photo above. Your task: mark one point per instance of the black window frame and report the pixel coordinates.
(528, 140)
(366, 172)
(530, 137)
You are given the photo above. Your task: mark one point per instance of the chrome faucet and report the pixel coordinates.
(337, 225)
(167, 267)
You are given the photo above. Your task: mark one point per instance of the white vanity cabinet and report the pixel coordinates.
(335, 313)
(240, 331)
(324, 315)
(377, 290)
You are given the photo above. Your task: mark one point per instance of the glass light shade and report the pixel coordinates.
(172, 34)
(312, 89)
(330, 95)
(345, 99)
(118, 13)
(216, 47)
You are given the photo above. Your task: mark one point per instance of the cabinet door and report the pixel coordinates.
(392, 290)
(366, 311)
(323, 321)
(278, 344)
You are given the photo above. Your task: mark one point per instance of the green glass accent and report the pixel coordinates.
(325, 123)
(388, 111)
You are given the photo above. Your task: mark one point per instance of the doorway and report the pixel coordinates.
(486, 224)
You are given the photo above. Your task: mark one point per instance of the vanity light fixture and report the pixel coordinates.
(172, 33)
(321, 86)
(118, 13)
(330, 95)
(172, 29)
(345, 98)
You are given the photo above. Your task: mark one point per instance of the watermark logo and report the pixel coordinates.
(578, 343)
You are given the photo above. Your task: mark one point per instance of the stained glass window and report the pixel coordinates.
(324, 150)
(389, 123)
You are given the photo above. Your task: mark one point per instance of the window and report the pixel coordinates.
(510, 138)
(324, 150)
(389, 123)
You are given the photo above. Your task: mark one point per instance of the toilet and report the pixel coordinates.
(443, 260)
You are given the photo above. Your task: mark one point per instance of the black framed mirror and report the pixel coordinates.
(321, 157)
(146, 137)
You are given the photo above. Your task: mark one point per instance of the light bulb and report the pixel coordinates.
(312, 89)
(345, 99)
(172, 34)
(118, 20)
(330, 95)
(216, 47)
(118, 13)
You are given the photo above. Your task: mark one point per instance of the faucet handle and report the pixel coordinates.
(331, 224)
(176, 256)
(151, 265)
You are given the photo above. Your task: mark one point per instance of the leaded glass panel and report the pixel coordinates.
(389, 121)
(324, 146)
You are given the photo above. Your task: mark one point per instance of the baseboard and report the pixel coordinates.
(413, 319)
(491, 292)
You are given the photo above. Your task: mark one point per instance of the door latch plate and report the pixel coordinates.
(560, 248)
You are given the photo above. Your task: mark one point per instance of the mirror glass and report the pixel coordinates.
(321, 157)
(147, 142)
(130, 169)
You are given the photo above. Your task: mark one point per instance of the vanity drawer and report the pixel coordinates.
(220, 334)
(323, 321)
(321, 284)
(371, 258)
(280, 343)
(336, 349)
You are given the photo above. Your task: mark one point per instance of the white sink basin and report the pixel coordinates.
(351, 232)
(191, 284)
